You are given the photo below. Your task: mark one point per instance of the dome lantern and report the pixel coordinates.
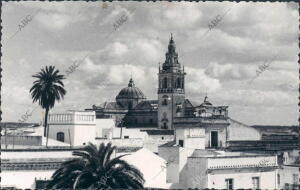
(130, 96)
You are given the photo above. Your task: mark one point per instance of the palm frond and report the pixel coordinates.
(93, 168)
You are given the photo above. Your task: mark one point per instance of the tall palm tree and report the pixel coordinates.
(94, 169)
(47, 89)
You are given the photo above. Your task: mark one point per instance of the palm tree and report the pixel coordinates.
(47, 89)
(94, 169)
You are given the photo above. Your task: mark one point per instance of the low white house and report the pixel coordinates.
(230, 171)
(74, 127)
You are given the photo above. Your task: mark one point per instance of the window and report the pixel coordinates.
(126, 137)
(278, 179)
(229, 184)
(255, 182)
(165, 83)
(214, 139)
(162, 138)
(60, 136)
(181, 142)
(165, 100)
(165, 126)
(150, 120)
(178, 83)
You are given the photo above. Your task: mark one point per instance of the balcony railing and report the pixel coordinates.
(170, 90)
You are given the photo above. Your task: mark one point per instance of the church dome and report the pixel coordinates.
(130, 96)
(206, 102)
(131, 92)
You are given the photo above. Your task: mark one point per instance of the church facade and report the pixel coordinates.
(133, 110)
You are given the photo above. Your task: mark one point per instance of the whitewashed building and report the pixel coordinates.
(231, 171)
(74, 127)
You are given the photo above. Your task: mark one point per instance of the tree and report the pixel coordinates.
(94, 169)
(47, 89)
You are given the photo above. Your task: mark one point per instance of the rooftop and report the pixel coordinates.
(159, 132)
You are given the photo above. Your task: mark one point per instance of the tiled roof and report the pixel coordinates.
(188, 103)
(111, 106)
(146, 104)
(262, 127)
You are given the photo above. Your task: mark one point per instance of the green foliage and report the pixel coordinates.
(48, 87)
(94, 169)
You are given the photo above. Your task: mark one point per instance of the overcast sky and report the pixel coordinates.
(218, 62)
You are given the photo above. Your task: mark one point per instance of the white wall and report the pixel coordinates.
(78, 126)
(154, 172)
(103, 124)
(196, 176)
(122, 142)
(35, 154)
(193, 137)
(228, 167)
(286, 175)
(171, 155)
(235, 129)
(131, 133)
(23, 179)
(243, 180)
(83, 134)
(66, 129)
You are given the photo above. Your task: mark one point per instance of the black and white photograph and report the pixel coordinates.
(149, 95)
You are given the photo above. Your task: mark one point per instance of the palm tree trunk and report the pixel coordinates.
(46, 122)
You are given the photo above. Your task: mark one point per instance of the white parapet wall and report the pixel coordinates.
(73, 127)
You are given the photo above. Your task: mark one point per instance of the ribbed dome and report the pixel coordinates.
(131, 92)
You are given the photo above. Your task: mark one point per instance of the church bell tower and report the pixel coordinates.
(171, 95)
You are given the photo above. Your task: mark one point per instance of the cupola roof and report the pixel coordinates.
(131, 92)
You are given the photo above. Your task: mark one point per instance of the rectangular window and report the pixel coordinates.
(126, 137)
(278, 179)
(229, 184)
(181, 142)
(255, 183)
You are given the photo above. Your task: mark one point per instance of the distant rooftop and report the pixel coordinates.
(159, 132)
(4, 125)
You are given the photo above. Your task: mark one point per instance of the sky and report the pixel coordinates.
(223, 46)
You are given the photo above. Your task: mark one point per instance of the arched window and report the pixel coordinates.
(178, 110)
(60, 136)
(165, 83)
(178, 83)
(165, 100)
(165, 126)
